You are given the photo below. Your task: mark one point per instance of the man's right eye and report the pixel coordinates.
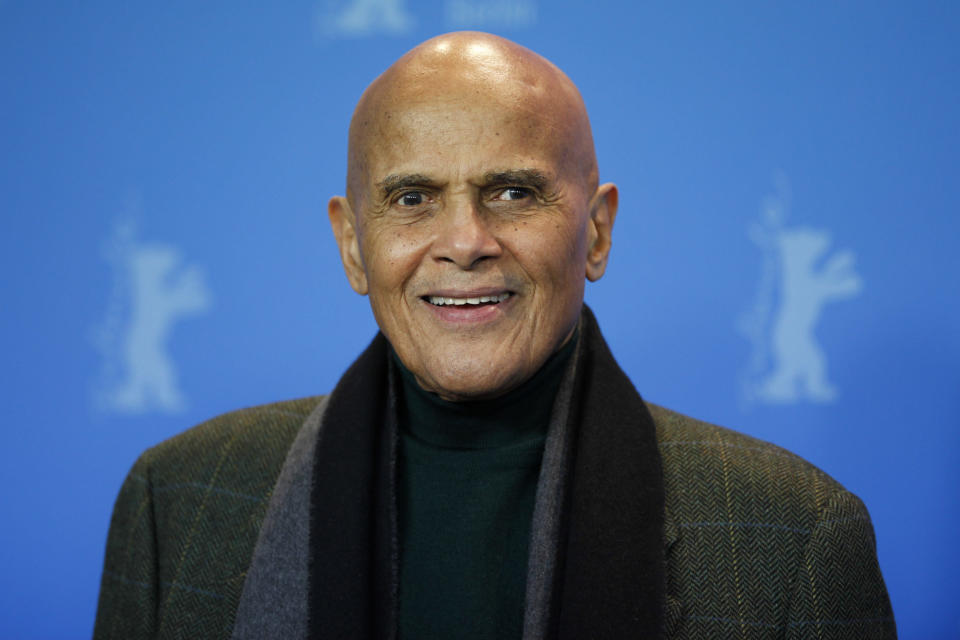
(411, 199)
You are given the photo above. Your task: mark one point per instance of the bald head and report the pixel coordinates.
(479, 71)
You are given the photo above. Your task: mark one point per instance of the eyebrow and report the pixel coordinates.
(532, 178)
(401, 181)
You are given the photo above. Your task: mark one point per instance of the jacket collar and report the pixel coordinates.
(600, 534)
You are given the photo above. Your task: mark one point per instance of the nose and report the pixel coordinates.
(463, 236)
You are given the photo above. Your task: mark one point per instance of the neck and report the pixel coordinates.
(517, 416)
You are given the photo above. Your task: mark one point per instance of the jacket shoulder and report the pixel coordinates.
(236, 446)
(186, 522)
(760, 539)
(748, 477)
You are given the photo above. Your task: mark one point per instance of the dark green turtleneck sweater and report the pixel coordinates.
(468, 479)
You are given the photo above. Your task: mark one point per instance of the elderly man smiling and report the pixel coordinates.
(484, 469)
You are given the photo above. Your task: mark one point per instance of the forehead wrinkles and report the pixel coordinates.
(425, 136)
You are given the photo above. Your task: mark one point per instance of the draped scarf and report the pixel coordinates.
(326, 562)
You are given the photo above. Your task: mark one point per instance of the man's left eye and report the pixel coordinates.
(411, 199)
(515, 193)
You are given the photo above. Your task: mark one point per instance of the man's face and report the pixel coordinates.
(473, 225)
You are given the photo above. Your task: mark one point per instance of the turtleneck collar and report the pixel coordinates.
(519, 416)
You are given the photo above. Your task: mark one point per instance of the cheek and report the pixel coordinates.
(392, 255)
(554, 252)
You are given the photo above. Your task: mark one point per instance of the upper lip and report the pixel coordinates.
(467, 293)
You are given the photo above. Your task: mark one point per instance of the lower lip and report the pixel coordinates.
(469, 314)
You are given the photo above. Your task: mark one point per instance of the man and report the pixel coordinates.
(484, 469)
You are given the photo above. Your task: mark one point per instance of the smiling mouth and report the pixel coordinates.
(442, 301)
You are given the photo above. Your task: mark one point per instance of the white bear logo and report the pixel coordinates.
(154, 289)
(801, 276)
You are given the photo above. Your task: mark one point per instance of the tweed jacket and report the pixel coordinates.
(740, 539)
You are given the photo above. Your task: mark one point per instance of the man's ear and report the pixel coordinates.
(603, 211)
(345, 229)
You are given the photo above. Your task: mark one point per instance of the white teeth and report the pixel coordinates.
(440, 300)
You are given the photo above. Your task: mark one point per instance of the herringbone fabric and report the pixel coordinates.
(767, 545)
(761, 543)
(185, 524)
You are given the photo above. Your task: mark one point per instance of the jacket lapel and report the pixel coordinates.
(673, 609)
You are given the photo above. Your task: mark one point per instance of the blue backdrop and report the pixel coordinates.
(784, 259)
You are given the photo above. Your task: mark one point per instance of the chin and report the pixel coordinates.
(472, 384)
